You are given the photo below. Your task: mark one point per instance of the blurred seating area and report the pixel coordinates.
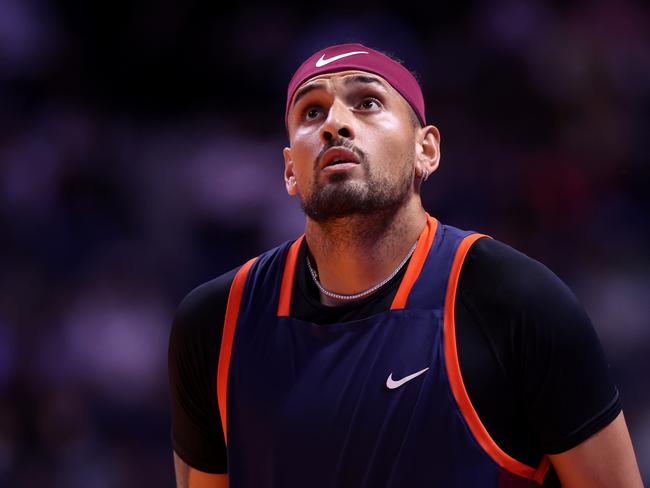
(141, 155)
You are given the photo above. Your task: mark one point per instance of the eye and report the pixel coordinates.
(369, 103)
(311, 113)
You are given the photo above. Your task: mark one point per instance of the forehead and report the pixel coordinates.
(340, 78)
(342, 75)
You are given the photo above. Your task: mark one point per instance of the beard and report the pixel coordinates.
(343, 196)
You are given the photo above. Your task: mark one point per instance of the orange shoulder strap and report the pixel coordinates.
(456, 380)
(415, 265)
(286, 288)
(227, 336)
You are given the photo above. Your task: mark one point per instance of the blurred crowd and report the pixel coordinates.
(140, 155)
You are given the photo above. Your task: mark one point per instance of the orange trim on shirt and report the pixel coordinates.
(540, 474)
(286, 288)
(417, 262)
(456, 380)
(227, 336)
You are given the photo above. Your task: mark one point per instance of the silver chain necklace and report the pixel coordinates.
(361, 294)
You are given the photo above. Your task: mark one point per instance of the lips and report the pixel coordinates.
(338, 155)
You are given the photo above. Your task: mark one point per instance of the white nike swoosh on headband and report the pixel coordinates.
(322, 61)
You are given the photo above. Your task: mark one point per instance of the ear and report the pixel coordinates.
(289, 176)
(427, 150)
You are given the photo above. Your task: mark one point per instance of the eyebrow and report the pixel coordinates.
(364, 79)
(348, 81)
(306, 89)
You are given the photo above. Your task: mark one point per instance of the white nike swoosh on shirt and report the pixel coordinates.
(392, 384)
(322, 61)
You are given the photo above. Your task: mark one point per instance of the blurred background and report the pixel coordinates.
(140, 155)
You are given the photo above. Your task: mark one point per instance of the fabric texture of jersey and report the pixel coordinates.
(310, 405)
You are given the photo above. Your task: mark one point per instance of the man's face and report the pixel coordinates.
(352, 146)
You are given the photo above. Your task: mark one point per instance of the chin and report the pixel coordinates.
(338, 177)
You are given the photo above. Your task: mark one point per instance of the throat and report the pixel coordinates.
(352, 255)
(329, 297)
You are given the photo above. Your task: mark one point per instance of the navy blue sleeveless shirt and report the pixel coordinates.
(375, 402)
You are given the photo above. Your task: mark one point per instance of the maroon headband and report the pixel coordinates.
(357, 56)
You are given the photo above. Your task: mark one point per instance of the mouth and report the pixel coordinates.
(338, 158)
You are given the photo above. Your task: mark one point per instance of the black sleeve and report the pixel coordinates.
(195, 339)
(532, 363)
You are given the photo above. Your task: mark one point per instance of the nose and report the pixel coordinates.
(338, 123)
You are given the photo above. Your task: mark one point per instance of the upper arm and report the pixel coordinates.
(194, 343)
(540, 349)
(571, 402)
(188, 477)
(604, 460)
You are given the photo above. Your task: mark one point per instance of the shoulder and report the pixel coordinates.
(524, 306)
(199, 316)
(501, 274)
(202, 310)
(538, 338)
(204, 300)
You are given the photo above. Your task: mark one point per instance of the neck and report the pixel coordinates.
(355, 253)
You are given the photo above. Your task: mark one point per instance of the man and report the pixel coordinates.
(384, 348)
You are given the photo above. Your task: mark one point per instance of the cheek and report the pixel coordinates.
(303, 155)
(390, 151)
(303, 165)
(392, 134)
